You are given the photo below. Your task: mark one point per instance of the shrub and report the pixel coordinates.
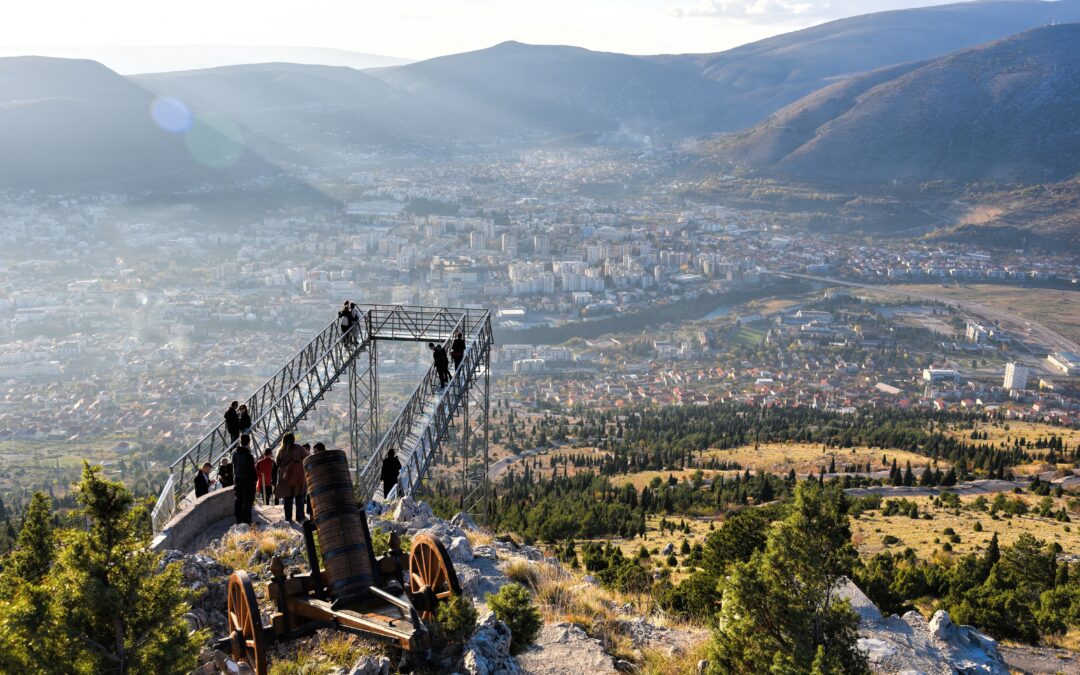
(890, 540)
(513, 606)
(455, 621)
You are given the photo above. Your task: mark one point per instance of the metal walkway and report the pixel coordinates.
(417, 433)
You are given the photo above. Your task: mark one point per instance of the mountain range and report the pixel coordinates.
(72, 122)
(1004, 112)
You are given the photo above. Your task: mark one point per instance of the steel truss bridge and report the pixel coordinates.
(420, 429)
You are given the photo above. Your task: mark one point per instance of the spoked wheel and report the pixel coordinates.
(432, 578)
(245, 623)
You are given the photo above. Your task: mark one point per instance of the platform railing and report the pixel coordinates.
(416, 445)
(275, 408)
(283, 401)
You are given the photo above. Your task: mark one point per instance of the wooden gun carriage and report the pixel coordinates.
(352, 590)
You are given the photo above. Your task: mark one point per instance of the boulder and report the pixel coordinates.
(460, 550)
(668, 550)
(488, 651)
(371, 665)
(465, 522)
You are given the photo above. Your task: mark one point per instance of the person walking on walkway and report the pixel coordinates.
(264, 470)
(457, 349)
(244, 487)
(291, 486)
(232, 421)
(344, 318)
(391, 468)
(355, 315)
(442, 363)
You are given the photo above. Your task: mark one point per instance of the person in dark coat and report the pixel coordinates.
(457, 349)
(391, 467)
(441, 362)
(245, 419)
(245, 479)
(202, 481)
(232, 421)
(225, 472)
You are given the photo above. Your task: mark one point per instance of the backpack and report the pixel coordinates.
(343, 321)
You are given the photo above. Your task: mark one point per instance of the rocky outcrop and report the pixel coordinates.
(488, 651)
(564, 648)
(207, 579)
(909, 644)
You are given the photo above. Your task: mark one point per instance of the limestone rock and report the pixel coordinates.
(910, 644)
(371, 665)
(460, 550)
(488, 651)
(465, 522)
(565, 649)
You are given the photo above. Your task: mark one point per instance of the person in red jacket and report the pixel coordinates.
(264, 470)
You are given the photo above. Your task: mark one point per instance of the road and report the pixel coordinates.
(1018, 325)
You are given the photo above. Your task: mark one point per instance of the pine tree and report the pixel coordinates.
(104, 606)
(782, 599)
(36, 546)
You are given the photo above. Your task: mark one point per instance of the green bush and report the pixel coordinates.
(513, 606)
(455, 621)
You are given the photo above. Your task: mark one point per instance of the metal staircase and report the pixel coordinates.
(417, 432)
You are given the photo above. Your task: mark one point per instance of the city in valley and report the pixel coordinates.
(742, 338)
(130, 324)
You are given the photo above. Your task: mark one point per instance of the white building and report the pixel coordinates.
(1016, 376)
(1064, 362)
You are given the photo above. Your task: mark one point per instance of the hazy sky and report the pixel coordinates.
(419, 28)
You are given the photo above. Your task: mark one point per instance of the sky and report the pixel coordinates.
(417, 29)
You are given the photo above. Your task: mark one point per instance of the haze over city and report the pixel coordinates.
(703, 337)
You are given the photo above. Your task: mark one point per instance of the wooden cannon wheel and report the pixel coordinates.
(431, 575)
(245, 623)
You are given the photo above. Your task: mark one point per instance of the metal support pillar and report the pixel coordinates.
(373, 400)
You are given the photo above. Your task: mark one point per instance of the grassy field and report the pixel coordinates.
(780, 458)
(1058, 309)
(1006, 432)
(927, 536)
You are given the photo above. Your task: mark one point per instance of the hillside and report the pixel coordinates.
(73, 123)
(1002, 112)
(759, 78)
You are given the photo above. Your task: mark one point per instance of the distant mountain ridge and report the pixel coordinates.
(130, 60)
(1001, 112)
(96, 129)
(759, 78)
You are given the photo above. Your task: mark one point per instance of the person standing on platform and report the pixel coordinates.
(245, 480)
(232, 421)
(264, 470)
(457, 349)
(391, 469)
(245, 419)
(202, 481)
(344, 318)
(291, 485)
(225, 472)
(355, 315)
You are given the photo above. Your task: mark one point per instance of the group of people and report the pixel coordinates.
(348, 318)
(276, 478)
(442, 361)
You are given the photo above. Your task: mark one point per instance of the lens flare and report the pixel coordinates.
(171, 114)
(215, 141)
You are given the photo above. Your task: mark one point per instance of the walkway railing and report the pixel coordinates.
(417, 432)
(284, 400)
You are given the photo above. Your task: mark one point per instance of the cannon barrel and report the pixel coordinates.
(344, 539)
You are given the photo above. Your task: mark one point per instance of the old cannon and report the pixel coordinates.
(351, 590)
